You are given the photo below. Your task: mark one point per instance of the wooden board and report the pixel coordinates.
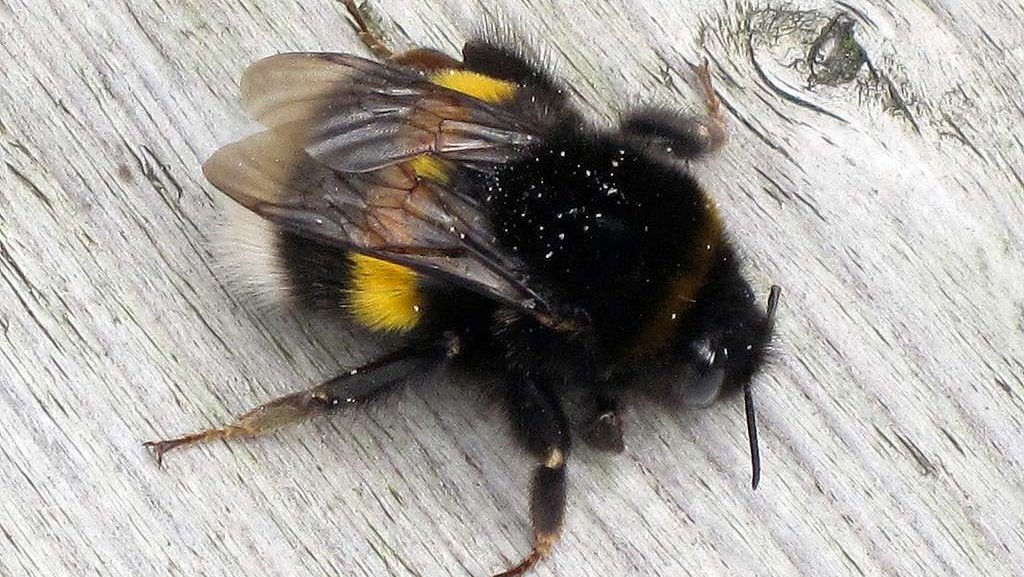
(875, 171)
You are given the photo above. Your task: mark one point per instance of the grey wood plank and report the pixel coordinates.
(885, 196)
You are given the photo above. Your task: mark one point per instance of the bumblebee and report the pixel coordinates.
(467, 208)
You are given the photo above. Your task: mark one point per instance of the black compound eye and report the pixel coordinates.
(706, 376)
(704, 388)
(708, 353)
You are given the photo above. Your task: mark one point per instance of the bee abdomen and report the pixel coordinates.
(275, 266)
(377, 294)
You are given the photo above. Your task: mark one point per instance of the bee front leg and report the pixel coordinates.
(543, 429)
(665, 131)
(357, 385)
(605, 431)
(712, 130)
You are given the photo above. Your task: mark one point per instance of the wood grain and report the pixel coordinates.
(876, 171)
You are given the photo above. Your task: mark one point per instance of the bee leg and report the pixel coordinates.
(684, 137)
(543, 429)
(371, 39)
(716, 123)
(605, 431)
(357, 385)
(422, 58)
(708, 133)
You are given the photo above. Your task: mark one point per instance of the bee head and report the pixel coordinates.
(721, 356)
(721, 349)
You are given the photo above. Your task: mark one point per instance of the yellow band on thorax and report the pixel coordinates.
(682, 290)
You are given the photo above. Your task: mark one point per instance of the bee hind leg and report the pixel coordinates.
(370, 37)
(357, 385)
(422, 58)
(543, 429)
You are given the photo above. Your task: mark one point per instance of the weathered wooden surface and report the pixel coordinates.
(886, 198)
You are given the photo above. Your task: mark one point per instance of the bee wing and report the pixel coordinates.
(355, 115)
(386, 213)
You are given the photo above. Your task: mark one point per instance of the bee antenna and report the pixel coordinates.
(773, 301)
(748, 400)
(755, 452)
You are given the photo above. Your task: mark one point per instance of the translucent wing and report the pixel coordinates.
(356, 115)
(387, 213)
(330, 167)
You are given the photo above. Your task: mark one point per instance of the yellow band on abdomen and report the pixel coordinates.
(384, 296)
(479, 86)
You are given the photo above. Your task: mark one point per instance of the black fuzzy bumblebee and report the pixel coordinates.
(467, 207)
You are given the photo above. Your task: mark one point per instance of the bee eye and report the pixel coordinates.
(703, 382)
(704, 388)
(706, 356)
